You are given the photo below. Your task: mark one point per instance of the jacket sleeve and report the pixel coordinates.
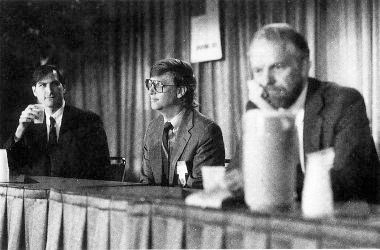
(355, 174)
(17, 153)
(146, 174)
(97, 152)
(210, 152)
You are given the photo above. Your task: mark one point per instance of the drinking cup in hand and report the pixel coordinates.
(39, 108)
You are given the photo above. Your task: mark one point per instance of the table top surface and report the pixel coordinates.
(349, 213)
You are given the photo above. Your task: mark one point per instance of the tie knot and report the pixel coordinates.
(52, 122)
(167, 126)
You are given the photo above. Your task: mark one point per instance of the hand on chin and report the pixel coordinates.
(256, 96)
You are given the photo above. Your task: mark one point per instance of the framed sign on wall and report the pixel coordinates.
(205, 33)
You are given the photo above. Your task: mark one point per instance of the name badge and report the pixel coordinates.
(182, 171)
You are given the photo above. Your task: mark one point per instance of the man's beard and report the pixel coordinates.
(280, 97)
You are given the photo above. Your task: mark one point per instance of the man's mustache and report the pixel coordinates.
(273, 91)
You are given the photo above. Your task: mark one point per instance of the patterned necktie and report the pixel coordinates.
(166, 153)
(52, 134)
(52, 141)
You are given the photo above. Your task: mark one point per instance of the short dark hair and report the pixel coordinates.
(44, 70)
(283, 32)
(183, 75)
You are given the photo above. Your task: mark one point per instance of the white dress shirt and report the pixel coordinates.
(299, 109)
(176, 122)
(58, 119)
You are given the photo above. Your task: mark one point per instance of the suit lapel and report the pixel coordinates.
(58, 164)
(67, 120)
(182, 138)
(313, 119)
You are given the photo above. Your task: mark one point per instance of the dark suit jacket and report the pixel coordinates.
(199, 142)
(82, 150)
(335, 116)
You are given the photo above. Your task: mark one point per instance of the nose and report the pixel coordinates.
(267, 78)
(48, 89)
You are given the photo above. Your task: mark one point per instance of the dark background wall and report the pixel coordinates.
(33, 32)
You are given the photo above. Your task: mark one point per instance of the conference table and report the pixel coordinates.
(57, 213)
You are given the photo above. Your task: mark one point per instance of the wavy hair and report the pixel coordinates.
(183, 75)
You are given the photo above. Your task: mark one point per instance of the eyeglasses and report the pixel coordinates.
(158, 86)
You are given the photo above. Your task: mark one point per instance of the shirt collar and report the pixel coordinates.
(57, 113)
(300, 102)
(176, 120)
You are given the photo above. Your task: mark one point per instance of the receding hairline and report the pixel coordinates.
(282, 34)
(287, 45)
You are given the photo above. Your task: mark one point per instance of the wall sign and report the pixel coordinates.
(205, 34)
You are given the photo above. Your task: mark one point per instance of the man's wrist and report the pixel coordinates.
(19, 133)
(15, 138)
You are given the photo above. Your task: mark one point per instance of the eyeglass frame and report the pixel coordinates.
(153, 83)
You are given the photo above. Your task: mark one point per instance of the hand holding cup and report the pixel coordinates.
(32, 113)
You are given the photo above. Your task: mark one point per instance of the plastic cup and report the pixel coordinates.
(213, 177)
(40, 113)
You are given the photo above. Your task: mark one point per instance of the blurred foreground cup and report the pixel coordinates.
(213, 178)
(4, 169)
(270, 156)
(214, 189)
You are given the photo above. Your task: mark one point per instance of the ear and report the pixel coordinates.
(34, 90)
(181, 91)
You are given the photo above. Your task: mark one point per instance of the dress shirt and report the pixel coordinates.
(298, 108)
(176, 122)
(57, 117)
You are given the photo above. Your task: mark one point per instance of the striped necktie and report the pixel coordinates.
(166, 153)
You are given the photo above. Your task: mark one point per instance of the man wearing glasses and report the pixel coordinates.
(181, 139)
(61, 141)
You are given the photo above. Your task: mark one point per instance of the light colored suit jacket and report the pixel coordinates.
(199, 142)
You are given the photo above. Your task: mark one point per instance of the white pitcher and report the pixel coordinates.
(317, 196)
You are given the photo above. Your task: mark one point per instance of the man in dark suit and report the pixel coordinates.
(181, 139)
(69, 142)
(334, 116)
